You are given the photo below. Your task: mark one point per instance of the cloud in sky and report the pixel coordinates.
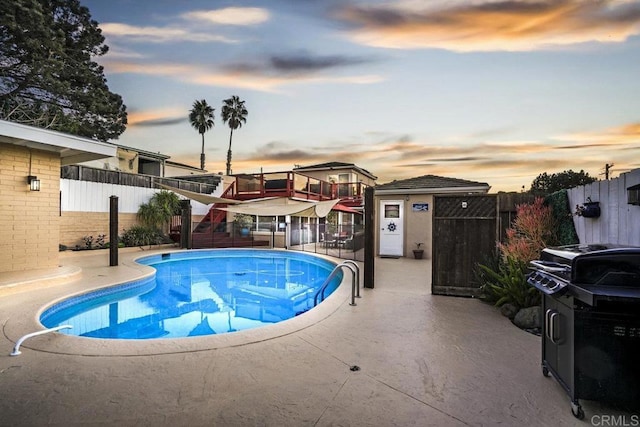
(183, 32)
(403, 156)
(507, 25)
(159, 117)
(300, 63)
(230, 16)
(159, 34)
(629, 133)
(269, 75)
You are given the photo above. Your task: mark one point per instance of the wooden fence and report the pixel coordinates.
(105, 176)
(619, 220)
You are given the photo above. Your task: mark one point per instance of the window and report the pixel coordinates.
(264, 223)
(392, 211)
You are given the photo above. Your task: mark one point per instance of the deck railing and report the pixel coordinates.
(291, 184)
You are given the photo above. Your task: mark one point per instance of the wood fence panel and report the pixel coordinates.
(465, 232)
(619, 221)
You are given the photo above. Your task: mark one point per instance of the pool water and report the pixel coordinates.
(199, 293)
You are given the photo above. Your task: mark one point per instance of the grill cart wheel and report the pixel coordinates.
(545, 371)
(576, 410)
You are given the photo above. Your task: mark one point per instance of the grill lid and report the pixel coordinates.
(589, 272)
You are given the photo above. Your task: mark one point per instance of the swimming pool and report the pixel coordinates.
(195, 293)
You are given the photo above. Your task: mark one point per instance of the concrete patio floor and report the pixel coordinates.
(424, 361)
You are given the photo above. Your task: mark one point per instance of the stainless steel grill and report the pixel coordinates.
(591, 321)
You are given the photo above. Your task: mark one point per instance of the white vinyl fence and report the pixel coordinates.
(87, 196)
(619, 221)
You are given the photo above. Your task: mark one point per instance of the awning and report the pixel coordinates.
(342, 208)
(205, 199)
(283, 206)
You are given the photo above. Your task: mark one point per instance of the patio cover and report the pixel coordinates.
(283, 206)
(205, 199)
(342, 208)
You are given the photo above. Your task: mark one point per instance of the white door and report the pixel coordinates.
(391, 225)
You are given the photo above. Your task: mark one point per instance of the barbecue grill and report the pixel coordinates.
(591, 321)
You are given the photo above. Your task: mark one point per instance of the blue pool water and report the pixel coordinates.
(199, 293)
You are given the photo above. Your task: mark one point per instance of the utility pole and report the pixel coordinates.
(607, 168)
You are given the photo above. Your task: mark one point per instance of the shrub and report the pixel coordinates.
(141, 235)
(161, 207)
(529, 233)
(508, 284)
(504, 281)
(564, 230)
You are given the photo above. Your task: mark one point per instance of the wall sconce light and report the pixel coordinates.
(34, 183)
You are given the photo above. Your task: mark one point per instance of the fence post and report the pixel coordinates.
(185, 226)
(113, 231)
(369, 243)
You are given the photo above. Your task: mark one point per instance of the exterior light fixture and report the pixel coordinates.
(34, 183)
(32, 180)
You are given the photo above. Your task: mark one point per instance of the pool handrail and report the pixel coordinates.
(355, 264)
(16, 349)
(334, 272)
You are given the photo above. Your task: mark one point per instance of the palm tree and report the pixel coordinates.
(201, 118)
(234, 114)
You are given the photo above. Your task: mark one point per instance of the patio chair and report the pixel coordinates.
(330, 240)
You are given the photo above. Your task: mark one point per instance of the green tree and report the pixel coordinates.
(158, 212)
(48, 76)
(234, 114)
(546, 184)
(201, 118)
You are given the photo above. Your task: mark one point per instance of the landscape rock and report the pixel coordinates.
(509, 310)
(528, 318)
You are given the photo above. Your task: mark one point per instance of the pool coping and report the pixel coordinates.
(22, 323)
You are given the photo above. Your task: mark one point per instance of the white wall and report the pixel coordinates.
(619, 222)
(85, 196)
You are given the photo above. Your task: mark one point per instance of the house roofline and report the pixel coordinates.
(324, 169)
(71, 148)
(433, 190)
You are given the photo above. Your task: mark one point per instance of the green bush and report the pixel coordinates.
(563, 228)
(140, 235)
(508, 284)
(161, 207)
(504, 279)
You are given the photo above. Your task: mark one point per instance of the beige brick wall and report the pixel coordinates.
(29, 220)
(75, 225)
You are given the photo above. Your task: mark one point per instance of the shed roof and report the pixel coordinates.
(432, 184)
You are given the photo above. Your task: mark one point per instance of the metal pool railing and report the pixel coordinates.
(16, 349)
(355, 281)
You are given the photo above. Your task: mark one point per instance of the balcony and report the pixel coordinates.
(291, 184)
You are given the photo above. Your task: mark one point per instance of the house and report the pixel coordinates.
(135, 160)
(30, 161)
(404, 215)
(327, 181)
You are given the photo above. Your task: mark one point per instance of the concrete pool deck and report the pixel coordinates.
(423, 360)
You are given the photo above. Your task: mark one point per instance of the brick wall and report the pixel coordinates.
(75, 225)
(29, 220)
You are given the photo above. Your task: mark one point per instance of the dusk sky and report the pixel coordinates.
(490, 91)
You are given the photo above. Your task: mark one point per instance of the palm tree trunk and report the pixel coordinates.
(229, 153)
(202, 154)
